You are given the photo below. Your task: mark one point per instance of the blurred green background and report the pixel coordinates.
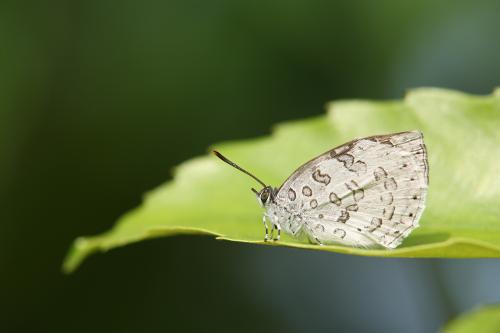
(100, 99)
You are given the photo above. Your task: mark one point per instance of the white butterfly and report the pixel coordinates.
(364, 193)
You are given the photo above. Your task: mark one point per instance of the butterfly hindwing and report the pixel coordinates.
(366, 192)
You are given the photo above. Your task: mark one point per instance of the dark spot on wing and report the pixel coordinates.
(346, 159)
(344, 216)
(306, 190)
(379, 173)
(335, 199)
(390, 184)
(388, 212)
(339, 233)
(358, 167)
(357, 192)
(375, 223)
(319, 177)
(319, 227)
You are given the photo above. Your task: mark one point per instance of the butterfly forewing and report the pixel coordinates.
(366, 192)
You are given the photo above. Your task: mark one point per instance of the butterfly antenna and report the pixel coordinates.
(234, 165)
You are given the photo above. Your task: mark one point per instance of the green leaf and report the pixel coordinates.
(462, 218)
(485, 320)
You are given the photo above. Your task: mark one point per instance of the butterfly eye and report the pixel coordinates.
(264, 195)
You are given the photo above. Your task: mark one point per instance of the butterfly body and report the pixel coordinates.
(289, 221)
(365, 193)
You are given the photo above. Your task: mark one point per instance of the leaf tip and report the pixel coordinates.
(78, 251)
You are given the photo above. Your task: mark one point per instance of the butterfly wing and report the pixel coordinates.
(366, 192)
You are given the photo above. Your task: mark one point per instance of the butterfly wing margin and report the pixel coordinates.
(365, 192)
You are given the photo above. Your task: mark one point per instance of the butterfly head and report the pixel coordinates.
(265, 196)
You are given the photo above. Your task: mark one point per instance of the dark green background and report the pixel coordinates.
(100, 99)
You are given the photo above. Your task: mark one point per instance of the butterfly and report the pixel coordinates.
(368, 192)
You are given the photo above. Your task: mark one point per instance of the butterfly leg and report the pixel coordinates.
(278, 227)
(265, 225)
